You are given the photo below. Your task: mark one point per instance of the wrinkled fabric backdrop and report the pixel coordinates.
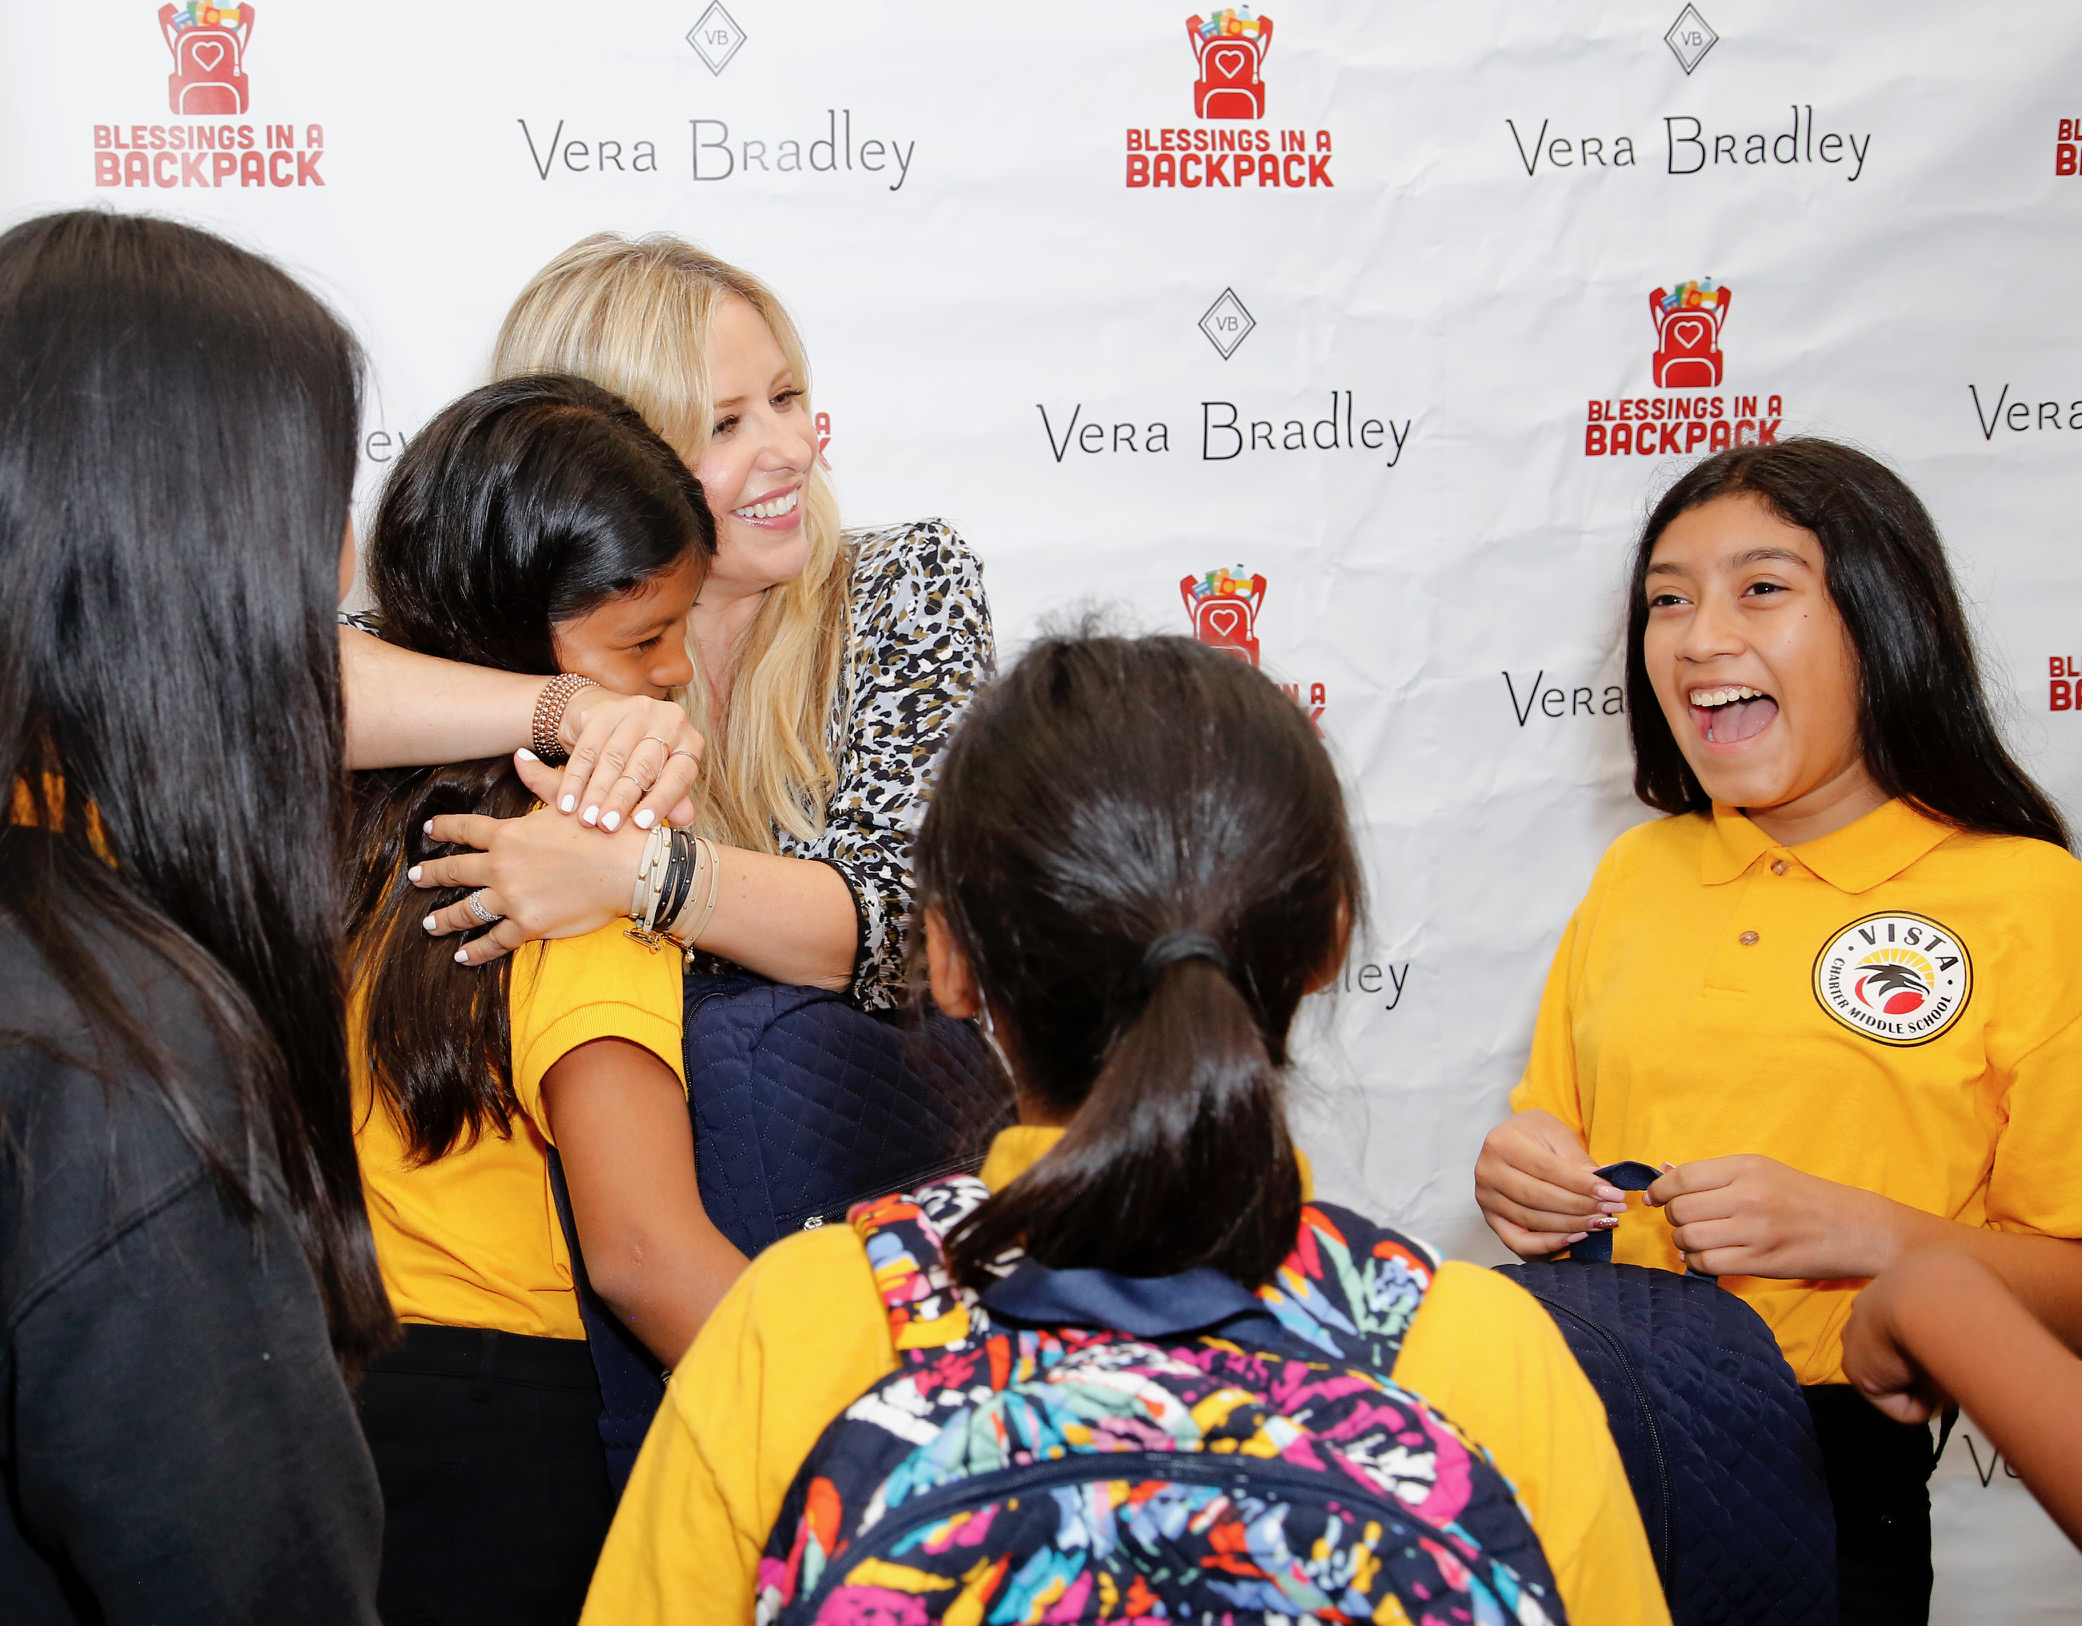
(1357, 303)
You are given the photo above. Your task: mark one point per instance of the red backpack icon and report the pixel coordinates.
(208, 77)
(1688, 348)
(1229, 86)
(1228, 622)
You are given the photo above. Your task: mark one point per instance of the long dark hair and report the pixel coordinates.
(1928, 732)
(178, 424)
(524, 504)
(1105, 792)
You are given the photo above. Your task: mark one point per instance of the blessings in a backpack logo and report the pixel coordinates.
(1224, 605)
(1899, 979)
(1229, 51)
(1688, 317)
(208, 88)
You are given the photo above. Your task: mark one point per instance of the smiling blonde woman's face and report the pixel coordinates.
(761, 447)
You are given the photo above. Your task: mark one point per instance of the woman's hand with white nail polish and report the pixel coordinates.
(628, 752)
(548, 876)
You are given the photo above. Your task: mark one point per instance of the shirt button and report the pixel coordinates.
(1778, 866)
(1748, 939)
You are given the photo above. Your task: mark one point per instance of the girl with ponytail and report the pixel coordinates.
(1135, 865)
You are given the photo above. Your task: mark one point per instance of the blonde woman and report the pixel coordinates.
(829, 667)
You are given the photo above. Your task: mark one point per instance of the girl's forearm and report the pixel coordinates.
(406, 709)
(2044, 1272)
(2013, 1377)
(666, 1299)
(619, 1117)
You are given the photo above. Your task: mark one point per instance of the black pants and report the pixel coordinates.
(1879, 1484)
(495, 1494)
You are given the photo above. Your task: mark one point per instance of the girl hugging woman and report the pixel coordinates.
(828, 666)
(535, 526)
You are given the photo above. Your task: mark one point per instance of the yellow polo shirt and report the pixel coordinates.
(803, 1335)
(472, 1239)
(1896, 1006)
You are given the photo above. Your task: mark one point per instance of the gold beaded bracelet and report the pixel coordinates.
(550, 706)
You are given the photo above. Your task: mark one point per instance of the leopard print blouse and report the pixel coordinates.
(921, 645)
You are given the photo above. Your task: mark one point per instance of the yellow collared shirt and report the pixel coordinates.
(1896, 1006)
(803, 1335)
(472, 1239)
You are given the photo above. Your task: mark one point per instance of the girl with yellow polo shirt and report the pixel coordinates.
(536, 525)
(1837, 993)
(1135, 864)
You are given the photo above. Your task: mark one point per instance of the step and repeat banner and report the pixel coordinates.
(1353, 338)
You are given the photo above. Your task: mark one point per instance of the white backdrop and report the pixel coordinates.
(1438, 296)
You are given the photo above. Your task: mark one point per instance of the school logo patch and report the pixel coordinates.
(1897, 978)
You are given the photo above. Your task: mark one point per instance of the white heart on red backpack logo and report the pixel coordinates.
(207, 54)
(1691, 333)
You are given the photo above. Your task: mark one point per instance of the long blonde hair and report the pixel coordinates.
(635, 318)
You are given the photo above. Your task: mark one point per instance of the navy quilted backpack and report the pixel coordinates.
(803, 1105)
(1711, 1426)
(1077, 1446)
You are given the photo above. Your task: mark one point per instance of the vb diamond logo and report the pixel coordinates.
(1690, 38)
(716, 38)
(1227, 324)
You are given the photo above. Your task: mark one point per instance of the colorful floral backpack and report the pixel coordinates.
(1076, 1446)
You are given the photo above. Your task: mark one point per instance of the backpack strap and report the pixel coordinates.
(1629, 1176)
(1597, 1247)
(1350, 1288)
(904, 1234)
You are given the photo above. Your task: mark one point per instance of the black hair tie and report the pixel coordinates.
(1172, 947)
